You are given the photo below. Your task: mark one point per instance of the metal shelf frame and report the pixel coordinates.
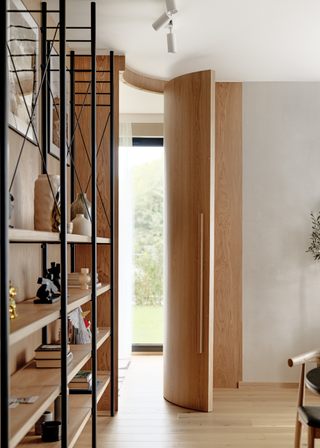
(46, 48)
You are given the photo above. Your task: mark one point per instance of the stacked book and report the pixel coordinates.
(48, 356)
(82, 380)
(73, 281)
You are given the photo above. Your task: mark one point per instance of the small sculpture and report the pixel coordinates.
(85, 278)
(49, 291)
(55, 271)
(50, 285)
(13, 312)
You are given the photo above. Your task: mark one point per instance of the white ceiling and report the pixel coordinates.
(242, 40)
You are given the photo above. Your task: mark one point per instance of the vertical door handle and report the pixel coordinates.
(200, 285)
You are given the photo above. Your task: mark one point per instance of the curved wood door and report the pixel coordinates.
(189, 103)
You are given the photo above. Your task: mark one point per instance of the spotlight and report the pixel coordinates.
(162, 21)
(171, 6)
(171, 40)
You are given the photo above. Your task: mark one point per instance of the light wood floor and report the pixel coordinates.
(240, 418)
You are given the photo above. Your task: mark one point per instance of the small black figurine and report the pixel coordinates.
(55, 271)
(47, 292)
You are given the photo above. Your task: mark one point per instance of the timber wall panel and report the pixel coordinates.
(228, 236)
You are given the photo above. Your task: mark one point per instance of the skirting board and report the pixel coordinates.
(146, 354)
(267, 385)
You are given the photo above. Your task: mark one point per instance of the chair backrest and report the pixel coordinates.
(314, 357)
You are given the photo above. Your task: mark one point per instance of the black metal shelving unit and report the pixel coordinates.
(4, 228)
(65, 150)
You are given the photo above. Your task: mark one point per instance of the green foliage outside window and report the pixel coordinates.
(148, 238)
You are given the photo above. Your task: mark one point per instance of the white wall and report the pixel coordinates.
(281, 186)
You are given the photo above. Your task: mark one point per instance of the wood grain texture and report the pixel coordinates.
(240, 418)
(44, 383)
(141, 82)
(78, 419)
(83, 146)
(189, 159)
(25, 260)
(228, 236)
(265, 385)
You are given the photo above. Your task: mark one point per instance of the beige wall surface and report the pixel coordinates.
(281, 186)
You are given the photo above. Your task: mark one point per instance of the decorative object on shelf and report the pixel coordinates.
(23, 48)
(57, 407)
(14, 401)
(45, 417)
(69, 227)
(87, 322)
(51, 431)
(81, 226)
(13, 312)
(55, 214)
(45, 194)
(55, 271)
(85, 278)
(81, 206)
(314, 248)
(47, 292)
(11, 207)
(80, 334)
(74, 282)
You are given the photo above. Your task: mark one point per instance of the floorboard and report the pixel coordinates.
(241, 418)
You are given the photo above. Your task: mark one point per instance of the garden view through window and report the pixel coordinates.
(147, 188)
(140, 246)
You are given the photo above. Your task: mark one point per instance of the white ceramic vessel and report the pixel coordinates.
(81, 225)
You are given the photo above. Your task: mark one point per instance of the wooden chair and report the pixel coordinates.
(308, 416)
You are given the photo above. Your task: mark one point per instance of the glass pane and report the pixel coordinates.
(147, 180)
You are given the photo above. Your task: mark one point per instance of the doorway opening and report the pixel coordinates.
(141, 244)
(141, 168)
(147, 311)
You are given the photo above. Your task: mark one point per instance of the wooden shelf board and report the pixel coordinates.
(102, 336)
(32, 317)
(32, 236)
(81, 239)
(79, 412)
(25, 415)
(36, 236)
(77, 421)
(105, 333)
(82, 400)
(25, 383)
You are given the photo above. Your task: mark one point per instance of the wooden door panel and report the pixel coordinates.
(189, 190)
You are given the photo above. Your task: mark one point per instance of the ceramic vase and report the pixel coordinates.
(79, 207)
(44, 201)
(45, 417)
(81, 225)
